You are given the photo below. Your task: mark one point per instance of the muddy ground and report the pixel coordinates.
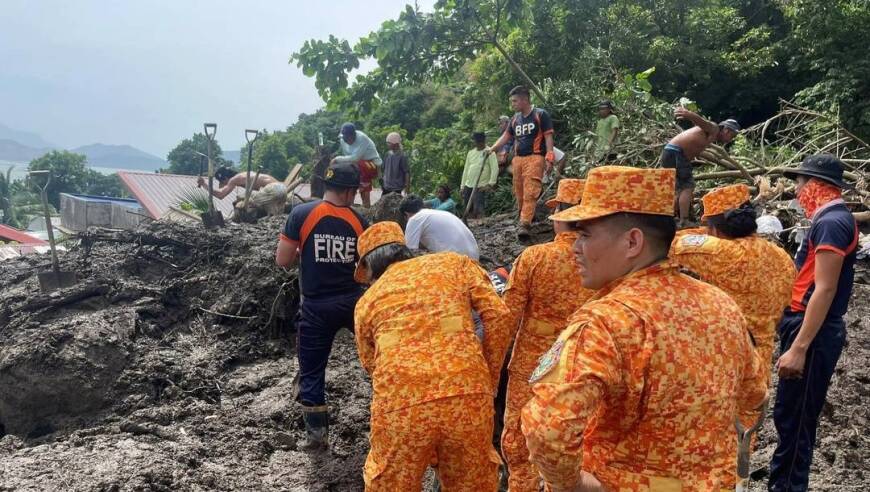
(169, 367)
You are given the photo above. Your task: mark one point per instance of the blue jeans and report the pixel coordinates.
(317, 323)
(799, 402)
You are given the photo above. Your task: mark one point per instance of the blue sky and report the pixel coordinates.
(149, 73)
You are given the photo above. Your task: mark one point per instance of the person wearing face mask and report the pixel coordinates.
(641, 390)
(812, 331)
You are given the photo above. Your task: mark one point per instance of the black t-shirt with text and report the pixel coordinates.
(327, 235)
(528, 132)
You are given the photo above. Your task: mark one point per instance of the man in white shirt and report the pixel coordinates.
(436, 230)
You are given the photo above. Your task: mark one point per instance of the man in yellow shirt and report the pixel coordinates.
(481, 170)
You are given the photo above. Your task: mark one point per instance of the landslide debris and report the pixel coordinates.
(169, 367)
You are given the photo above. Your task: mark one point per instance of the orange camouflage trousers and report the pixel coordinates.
(528, 172)
(523, 475)
(455, 431)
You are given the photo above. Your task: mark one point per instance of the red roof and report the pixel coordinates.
(11, 234)
(157, 192)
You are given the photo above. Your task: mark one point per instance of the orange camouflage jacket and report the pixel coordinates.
(643, 387)
(415, 334)
(756, 273)
(543, 291)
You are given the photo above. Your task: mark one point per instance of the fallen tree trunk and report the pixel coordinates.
(758, 172)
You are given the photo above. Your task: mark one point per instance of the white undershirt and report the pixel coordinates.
(437, 231)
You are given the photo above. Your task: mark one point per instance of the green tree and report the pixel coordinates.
(275, 153)
(414, 48)
(828, 44)
(6, 207)
(69, 174)
(100, 184)
(184, 159)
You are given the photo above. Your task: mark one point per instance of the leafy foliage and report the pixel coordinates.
(184, 159)
(69, 174)
(445, 73)
(194, 200)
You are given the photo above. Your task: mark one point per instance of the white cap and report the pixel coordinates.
(394, 138)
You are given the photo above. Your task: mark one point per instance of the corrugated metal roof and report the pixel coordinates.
(157, 192)
(11, 234)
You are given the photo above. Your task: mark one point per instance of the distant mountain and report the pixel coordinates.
(27, 139)
(233, 155)
(120, 157)
(11, 150)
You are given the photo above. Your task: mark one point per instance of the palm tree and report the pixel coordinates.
(18, 204)
(6, 198)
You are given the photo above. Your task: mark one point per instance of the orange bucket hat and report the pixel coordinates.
(569, 191)
(724, 199)
(613, 189)
(377, 235)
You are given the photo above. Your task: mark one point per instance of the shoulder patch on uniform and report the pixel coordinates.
(547, 361)
(695, 239)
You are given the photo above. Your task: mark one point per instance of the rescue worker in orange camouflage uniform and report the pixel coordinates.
(641, 390)
(756, 273)
(433, 380)
(543, 290)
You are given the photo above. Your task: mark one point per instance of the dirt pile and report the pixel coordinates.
(169, 367)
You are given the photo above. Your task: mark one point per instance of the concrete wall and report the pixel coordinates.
(78, 214)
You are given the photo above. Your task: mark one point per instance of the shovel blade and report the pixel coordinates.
(212, 219)
(52, 281)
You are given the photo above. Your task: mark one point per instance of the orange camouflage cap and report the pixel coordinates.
(569, 191)
(377, 235)
(723, 199)
(613, 189)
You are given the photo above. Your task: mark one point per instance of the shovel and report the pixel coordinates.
(744, 438)
(249, 185)
(56, 278)
(211, 218)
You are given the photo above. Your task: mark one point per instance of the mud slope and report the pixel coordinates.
(169, 368)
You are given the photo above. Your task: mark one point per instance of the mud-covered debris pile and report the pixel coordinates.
(63, 351)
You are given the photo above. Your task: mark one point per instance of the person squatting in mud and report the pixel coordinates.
(267, 192)
(357, 148)
(433, 379)
(322, 236)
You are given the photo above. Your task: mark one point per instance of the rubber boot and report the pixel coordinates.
(524, 230)
(316, 429)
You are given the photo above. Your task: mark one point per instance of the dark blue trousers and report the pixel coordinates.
(317, 322)
(799, 402)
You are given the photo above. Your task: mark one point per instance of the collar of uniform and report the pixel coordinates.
(665, 266)
(565, 237)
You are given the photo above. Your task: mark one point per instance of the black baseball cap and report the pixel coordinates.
(730, 124)
(826, 167)
(347, 130)
(478, 136)
(605, 103)
(342, 176)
